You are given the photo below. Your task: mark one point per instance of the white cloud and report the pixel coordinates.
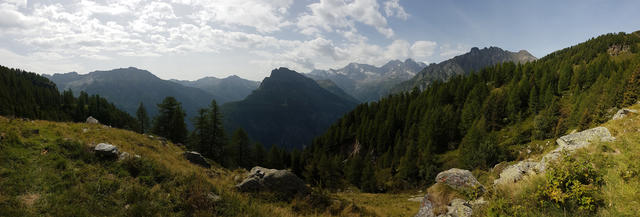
(328, 15)
(263, 15)
(61, 35)
(448, 51)
(421, 50)
(393, 8)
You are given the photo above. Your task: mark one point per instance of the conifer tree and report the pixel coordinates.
(142, 118)
(170, 121)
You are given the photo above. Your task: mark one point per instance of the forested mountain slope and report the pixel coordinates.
(478, 120)
(29, 95)
(288, 110)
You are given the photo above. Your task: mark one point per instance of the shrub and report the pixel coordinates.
(573, 184)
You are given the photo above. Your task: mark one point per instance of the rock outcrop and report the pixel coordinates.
(566, 143)
(106, 151)
(459, 179)
(196, 158)
(623, 113)
(279, 181)
(462, 182)
(92, 120)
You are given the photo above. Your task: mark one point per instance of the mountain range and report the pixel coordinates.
(288, 110)
(232, 88)
(127, 87)
(367, 82)
(474, 60)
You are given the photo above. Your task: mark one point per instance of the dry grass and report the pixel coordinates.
(383, 204)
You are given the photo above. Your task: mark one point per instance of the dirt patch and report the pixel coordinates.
(29, 199)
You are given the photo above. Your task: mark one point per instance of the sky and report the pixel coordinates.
(191, 39)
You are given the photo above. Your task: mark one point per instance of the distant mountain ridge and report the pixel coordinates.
(369, 83)
(232, 88)
(474, 60)
(127, 87)
(288, 110)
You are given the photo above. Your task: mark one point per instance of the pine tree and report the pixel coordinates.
(170, 121)
(239, 149)
(142, 118)
(216, 133)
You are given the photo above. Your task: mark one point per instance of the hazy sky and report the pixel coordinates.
(189, 39)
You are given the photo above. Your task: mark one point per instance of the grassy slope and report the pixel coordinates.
(54, 173)
(618, 163)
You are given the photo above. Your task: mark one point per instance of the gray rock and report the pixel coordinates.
(92, 120)
(623, 113)
(459, 208)
(280, 181)
(566, 144)
(124, 155)
(426, 208)
(581, 139)
(196, 158)
(459, 179)
(516, 172)
(105, 150)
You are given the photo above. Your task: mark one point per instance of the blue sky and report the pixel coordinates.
(189, 39)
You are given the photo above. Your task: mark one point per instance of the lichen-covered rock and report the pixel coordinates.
(196, 158)
(581, 139)
(105, 150)
(279, 181)
(459, 208)
(623, 113)
(516, 172)
(426, 208)
(459, 179)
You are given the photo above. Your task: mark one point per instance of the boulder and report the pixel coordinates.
(426, 208)
(623, 113)
(196, 158)
(92, 120)
(105, 150)
(279, 181)
(459, 179)
(583, 138)
(516, 172)
(566, 144)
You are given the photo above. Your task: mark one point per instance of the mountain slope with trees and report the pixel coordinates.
(477, 120)
(474, 60)
(29, 95)
(288, 110)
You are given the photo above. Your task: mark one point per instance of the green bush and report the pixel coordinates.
(572, 184)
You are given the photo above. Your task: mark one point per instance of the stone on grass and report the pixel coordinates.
(278, 181)
(196, 158)
(459, 179)
(92, 120)
(105, 150)
(623, 113)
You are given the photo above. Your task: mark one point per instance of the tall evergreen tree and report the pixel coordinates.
(170, 121)
(239, 151)
(142, 118)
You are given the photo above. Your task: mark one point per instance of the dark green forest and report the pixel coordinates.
(476, 121)
(29, 95)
